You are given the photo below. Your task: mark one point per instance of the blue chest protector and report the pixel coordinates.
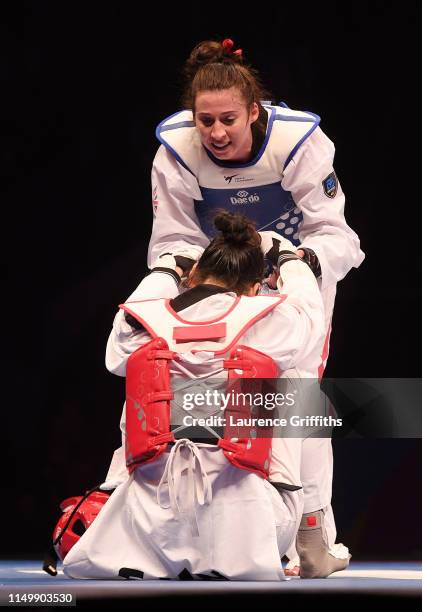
(270, 206)
(254, 188)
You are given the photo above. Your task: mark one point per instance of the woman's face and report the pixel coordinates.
(224, 123)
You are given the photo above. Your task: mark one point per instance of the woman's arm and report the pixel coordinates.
(175, 223)
(324, 228)
(293, 333)
(124, 339)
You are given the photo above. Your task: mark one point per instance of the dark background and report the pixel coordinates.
(85, 86)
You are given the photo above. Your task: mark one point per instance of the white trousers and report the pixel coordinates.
(316, 474)
(191, 509)
(317, 479)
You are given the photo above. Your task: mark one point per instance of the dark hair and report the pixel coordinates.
(212, 66)
(234, 257)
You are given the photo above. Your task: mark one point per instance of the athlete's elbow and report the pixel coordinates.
(115, 364)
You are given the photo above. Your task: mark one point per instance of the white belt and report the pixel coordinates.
(198, 484)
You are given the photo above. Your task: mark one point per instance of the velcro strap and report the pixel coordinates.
(227, 445)
(200, 332)
(285, 256)
(312, 520)
(237, 364)
(161, 439)
(158, 396)
(161, 354)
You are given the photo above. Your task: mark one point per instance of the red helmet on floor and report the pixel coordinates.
(75, 520)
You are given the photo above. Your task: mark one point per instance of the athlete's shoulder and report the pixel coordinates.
(288, 130)
(284, 114)
(178, 135)
(178, 120)
(145, 301)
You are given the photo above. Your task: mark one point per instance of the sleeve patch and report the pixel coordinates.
(330, 184)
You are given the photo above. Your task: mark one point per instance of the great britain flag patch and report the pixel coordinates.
(330, 184)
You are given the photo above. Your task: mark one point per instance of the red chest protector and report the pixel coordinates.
(148, 391)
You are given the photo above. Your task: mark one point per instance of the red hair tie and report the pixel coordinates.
(228, 45)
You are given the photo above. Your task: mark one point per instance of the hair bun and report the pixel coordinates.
(209, 52)
(235, 228)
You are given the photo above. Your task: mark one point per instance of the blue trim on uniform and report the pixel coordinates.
(175, 126)
(283, 104)
(160, 129)
(291, 118)
(267, 136)
(260, 152)
(302, 140)
(315, 120)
